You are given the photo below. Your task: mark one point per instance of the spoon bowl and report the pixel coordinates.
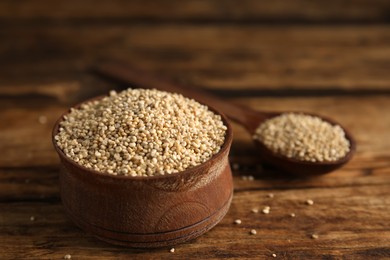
(294, 166)
(247, 117)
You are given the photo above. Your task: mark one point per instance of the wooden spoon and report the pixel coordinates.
(245, 116)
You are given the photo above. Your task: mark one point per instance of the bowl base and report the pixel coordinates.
(153, 240)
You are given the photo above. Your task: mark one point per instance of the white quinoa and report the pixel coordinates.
(140, 132)
(303, 137)
(237, 221)
(42, 119)
(270, 195)
(314, 236)
(235, 166)
(309, 202)
(266, 210)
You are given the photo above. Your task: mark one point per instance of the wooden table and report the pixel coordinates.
(330, 57)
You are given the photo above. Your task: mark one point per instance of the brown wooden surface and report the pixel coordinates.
(328, 57)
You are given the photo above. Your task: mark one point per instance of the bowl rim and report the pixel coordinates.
(225, 146)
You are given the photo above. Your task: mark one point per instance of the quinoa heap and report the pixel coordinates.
(303, 137)
(140, 132)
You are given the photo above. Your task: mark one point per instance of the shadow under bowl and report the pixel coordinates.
(146, 212)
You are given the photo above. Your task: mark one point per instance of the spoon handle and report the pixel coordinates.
(118, 70)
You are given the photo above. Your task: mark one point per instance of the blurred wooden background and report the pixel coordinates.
(329, 57)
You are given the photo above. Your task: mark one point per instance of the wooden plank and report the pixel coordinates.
(50, 92)
(225, 57)
(25, 139)
(29, 184)
(196, 11)
(350, 221)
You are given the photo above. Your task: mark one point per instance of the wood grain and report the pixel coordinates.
(328, 57)
(195, 11)
(235, 58)
(361, 236)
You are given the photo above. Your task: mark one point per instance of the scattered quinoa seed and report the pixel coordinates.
(274, 255)
(235, 166)
(270, 195)
(32, 218)
(266, 210)
(292, 215)
(303, 137)
(42, 120)
(255, 210)
(237, 221)
(141, 132)
(314, 236)
(172, 250)
(247, 178)
(309, 202)
(67, 256)
(253, 232)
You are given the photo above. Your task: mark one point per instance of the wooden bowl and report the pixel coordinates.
(148, 211)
